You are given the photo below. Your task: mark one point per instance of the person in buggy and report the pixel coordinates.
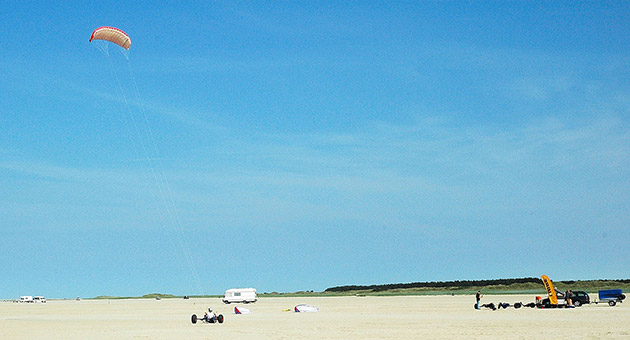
(208, 317)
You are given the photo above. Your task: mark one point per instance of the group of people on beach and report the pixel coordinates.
(567, 302)
(500, 305)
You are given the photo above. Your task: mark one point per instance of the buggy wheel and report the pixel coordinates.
(612, 303)
(577, 303)
(193, 318)
(220, 318)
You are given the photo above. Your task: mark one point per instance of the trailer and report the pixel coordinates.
(611, 296)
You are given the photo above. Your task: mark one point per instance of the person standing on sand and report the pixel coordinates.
(478, 298)
(567, 298)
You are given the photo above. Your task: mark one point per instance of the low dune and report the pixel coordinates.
(398, 317)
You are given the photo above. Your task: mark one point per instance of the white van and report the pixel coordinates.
(27, 299)
(244, 295)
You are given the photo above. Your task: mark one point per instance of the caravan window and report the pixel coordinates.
(237, 294)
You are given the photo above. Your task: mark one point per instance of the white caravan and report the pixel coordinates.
(244, 295)
(27, 299)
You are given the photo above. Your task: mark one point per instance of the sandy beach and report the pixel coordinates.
(435, 317)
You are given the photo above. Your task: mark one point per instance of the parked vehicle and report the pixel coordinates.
(27, 299)
(39, 299)
(243, 295)
(612, 296)
(578, 298)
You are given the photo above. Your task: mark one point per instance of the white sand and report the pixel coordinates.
(428, 317)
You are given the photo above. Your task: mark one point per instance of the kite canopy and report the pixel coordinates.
(241, 310)
(112, 34)
(304, 308)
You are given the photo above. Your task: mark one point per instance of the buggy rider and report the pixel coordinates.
(209, 316)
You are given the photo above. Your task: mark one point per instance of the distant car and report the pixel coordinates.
(578, 298)
(39, 299)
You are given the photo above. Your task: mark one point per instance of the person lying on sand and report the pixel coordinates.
(489, 305)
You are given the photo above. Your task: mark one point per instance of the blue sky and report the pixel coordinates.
(303, 145)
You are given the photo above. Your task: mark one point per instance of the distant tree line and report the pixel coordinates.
(600, 280)
(449, 284)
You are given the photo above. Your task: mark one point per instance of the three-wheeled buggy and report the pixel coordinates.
(208, 317)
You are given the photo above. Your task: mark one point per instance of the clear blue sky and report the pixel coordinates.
(304, 145)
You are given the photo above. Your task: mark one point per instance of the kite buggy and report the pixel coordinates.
(208, 317)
